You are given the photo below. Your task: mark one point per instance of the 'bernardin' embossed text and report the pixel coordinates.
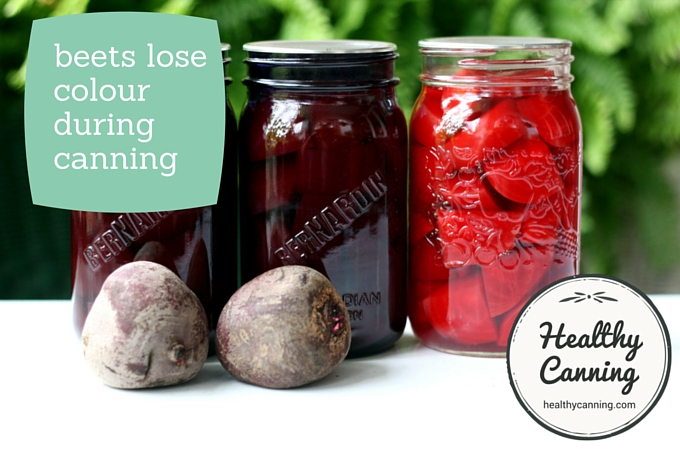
(332, 220)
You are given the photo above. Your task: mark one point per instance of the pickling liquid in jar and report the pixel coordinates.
(495, 187)
(323, 172)
(197, 244)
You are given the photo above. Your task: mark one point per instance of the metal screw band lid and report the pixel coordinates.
(321, 64)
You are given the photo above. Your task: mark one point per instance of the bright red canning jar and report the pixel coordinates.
(323, 175)
(198, 244)
(495, 186)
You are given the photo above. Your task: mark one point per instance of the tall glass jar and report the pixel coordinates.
(495, 186)
(196, 244)
(323, 175)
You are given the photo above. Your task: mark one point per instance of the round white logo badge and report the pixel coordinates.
(589, 357)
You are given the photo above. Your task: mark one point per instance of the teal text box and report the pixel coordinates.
(124, 112)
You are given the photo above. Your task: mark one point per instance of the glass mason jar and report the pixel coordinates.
(193, 243)
(323, 168)
(495, 186)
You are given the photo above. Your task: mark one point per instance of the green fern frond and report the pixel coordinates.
(611, 81)
(598, 128)
(624, 12)
(14, 7)
(662, 107)
(577, 21)
(177, 7)
(67, 7)
(58, 8)
(303, 19)
(383, 20)
(656, 214)
(662, 38)
(237, 19)
(412, 27)
(352, 14)
(600, 223)
(16, 79)
(655, 9)
(501, 13)
(588, 222)
(525, 22)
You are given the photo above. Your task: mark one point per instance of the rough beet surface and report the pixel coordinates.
(146, 329)
(285, 328)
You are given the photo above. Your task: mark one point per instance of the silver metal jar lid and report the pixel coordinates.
(340, 64)
(320, 47)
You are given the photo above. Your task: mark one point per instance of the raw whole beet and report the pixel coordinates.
(146, 329)
(285, 328)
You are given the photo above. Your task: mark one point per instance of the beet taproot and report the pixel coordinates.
(285, 328)
(145, 329)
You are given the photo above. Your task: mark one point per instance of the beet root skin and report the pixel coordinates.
(285, 328)
(145, 329)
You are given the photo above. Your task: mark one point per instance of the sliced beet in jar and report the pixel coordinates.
(495, 186)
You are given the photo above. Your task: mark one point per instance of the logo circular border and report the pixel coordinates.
(659, 392)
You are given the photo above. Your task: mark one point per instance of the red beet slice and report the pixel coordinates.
(419, 226)
(464, 149)
(554, 116)
(427, 113)
(513, 278)
(459, 109)
(427, 166)
(525, 172)
(459, 312)
(474, 237)
(467, 189)
(541, 224)
(500, 126)
(507, 320)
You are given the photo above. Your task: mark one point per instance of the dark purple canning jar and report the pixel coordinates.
(323, 167)
(198, 244)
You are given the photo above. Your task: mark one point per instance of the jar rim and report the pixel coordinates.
(491, 43)
(320, 47)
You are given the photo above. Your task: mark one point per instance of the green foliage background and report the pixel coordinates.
(627, 87)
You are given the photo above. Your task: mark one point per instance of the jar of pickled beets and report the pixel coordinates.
(191, 242)
(495, 186)
(323, 173)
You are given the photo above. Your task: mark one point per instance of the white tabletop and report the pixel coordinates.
(409, 397)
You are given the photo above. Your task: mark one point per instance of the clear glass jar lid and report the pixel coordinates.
(491, 43)
(488, 60)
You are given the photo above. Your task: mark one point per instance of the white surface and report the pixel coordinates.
(410, 397)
